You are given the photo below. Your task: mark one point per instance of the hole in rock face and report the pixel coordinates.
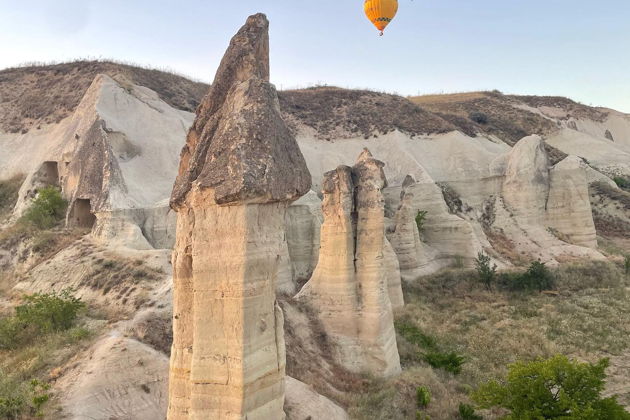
(50, 173)
(82, 215)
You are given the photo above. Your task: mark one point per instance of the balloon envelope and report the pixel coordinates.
(380, 12)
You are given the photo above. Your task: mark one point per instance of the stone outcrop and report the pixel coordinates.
(568, 207)
(526, 184)
(392, 268)
(548, 203)
(303, 402)
(239, 171)
(349, 286)
(304, 222)
(405, 237)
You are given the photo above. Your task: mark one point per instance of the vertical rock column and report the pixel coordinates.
(405, 238)
(349, 287)
(239, 171)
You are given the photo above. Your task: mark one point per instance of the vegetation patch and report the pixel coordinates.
(46, 210)
(40, 314)
(623, 183)
(427, 349)
(556, 388)
(342, 113)
(587, 317)
(39, 94)
(43, 333)
(9, 189)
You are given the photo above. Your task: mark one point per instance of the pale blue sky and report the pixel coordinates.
(579, 49)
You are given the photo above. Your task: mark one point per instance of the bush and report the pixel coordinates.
(423, 397)
(40, 314)
(47, 209)
(467, 412)
(18, 400)
(537, 277)
(450, 362)
(557, 388)
(622, 183)
(420, 219)
(486, 271)
(9, 193)
(478, 117)
(414, 335)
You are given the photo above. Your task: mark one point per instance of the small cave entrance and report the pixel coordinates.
(82, 215)
(50, 173)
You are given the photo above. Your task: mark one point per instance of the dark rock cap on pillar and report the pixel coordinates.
(239, 145)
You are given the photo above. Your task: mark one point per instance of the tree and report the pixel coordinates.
(556, 388)
(47, 209)
(486, 270)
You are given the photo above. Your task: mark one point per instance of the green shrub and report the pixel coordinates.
(414, 335)
(537, 277)
(22, 400)
(450, 362)
(9, 189)
(467, 412)
(420, 219)
(39, 314)
(622, 183)
(46, 210)
(423, 397)
(557, 388)
(486, 271)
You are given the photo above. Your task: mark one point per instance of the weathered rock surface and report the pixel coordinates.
(114, 158)
(239, 171)
(119, 378)
(303, 402)
(349, 286)
(405, 237)
(545, 211)
(392, 268)
(304, 221)
(568, 207)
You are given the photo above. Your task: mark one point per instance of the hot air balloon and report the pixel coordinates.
(380, 12)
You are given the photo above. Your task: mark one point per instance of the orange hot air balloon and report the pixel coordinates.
(380, 12)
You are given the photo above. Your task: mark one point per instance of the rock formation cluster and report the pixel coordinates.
(349, 287)
(548, 202)
(239, 170)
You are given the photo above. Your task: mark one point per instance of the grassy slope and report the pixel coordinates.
(36, 95)
(588, 319)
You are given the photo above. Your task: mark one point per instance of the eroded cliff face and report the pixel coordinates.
(405, 236)
(349, 288)
(239, 171)
(543, 209)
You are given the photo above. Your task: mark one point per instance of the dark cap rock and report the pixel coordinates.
(239, 145)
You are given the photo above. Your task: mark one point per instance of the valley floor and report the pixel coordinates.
(587, 318)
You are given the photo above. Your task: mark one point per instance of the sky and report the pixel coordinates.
(579, 49)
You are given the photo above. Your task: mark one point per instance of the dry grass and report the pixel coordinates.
(121, 278)
(43, 94)
(310, 355)
(503, 119)
(341, 113)
(9, 189)
(588, 318)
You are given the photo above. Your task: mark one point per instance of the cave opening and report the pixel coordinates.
(82, 215)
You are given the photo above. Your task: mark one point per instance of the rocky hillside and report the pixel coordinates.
(520, 179)
(33, 96)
